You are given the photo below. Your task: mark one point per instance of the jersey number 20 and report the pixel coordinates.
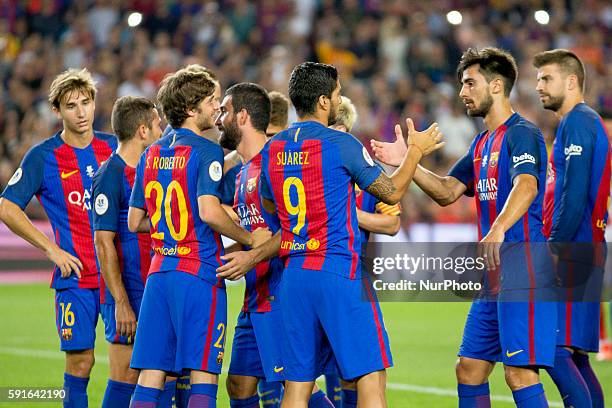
(165, 198)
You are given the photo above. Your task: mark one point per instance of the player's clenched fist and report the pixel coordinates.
(65, 261)
(260, 236)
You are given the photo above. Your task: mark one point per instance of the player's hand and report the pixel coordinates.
(125, 318)
(489, 248)
(237, 265)
(390, 153)
(260, 236)
(65, 262)
(427, 141)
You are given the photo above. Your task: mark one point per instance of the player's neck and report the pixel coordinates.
(569, 103)
(78, 140)
(498, 114)
(130, 152)
(191, 126)
(251, 145)
(321, 118)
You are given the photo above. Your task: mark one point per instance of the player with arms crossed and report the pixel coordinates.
(575, 210)
(183, 314)
(59, 172)
(124, 257)
(309, 172)
(505, 169)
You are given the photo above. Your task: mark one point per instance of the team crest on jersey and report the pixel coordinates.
(67, 334)
(16, 177)
(493, 159)
(313, 244)
(251, 184)
(220, 358)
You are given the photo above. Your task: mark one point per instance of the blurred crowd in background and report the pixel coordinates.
(397, 59)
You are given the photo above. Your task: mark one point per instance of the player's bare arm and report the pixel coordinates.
(391, 189)
(138, 221)
(444, 190)
(378, 223)
(238, 263)
(20, 224)
(390, 153)
(216, 217)
(110, 270)
(524, 191)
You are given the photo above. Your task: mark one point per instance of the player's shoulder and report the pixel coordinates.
(207, 148)
(107, 138)
(582, 116)
(518, 126)
(110, 171)
(41, 149)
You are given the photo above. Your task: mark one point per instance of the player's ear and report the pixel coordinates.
(243, 117)
(571, 82)
(142, 131)
(324, 102)
(497, 86)
(57, 112)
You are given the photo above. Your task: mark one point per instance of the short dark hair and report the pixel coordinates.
(493, 62)
(308, 82)
(182, 90)
(568, 62)
(129, 112)
(255, 100)
(279, 115)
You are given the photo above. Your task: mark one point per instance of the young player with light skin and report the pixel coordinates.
(578, 189)
(315, 92)
(188, 101)
(487, 76)
(136, 123)
(59, 170)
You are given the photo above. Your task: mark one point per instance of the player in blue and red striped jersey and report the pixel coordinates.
(575, 210)
(309, 172)
(505, 169)
(256, 354)
(124, 257)
(182, 318)
(373, 216)
(59, 172)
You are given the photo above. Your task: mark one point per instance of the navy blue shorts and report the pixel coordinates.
(182, 325)
(76, 317)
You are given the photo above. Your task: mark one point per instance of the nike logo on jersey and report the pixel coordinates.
(65, 175)
(514, 353)
(278, 369)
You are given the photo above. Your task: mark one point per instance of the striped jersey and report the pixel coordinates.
(262, 281)
(578, 179)
(171, 175)
(61, 177)
(309, 171)
(489, 168)
(112, 187)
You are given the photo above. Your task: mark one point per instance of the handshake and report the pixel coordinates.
(426, 142)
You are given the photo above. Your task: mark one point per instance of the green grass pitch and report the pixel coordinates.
(424, 340)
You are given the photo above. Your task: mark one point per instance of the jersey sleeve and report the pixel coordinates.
(210, 172)
(524, 149)
(387, 209)
(228, 188)
(463, 170)
(27, 179)
(577, 139)
(107, 193)
(357, 161)
(137, 198)
(264, 187)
